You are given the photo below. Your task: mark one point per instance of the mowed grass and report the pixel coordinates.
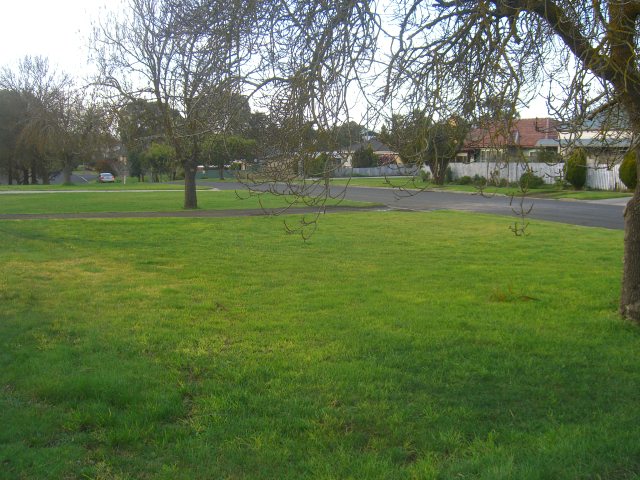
(143, 201)
(132, 184)
(392, 345)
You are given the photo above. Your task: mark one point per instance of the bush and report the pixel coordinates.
(479, 180)
(103, 166)
(530, 180)
(448, 175)
(576, 169)
(465, 180)
(315, 166)
(364, 158)
(425, 176)
(628, 170)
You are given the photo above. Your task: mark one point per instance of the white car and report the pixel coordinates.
(106, 178)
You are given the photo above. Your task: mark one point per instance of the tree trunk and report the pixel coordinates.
(221, 170)
(438, 171)
(34, 172)
(190, 199)
(66, 175)
(10, 172)
(45, 177)
(630, 296)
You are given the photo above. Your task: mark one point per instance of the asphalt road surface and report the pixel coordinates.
(600, 213)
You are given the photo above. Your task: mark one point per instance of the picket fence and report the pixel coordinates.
(386, 171)
(598, 178)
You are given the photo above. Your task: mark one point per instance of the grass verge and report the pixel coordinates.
(124, 201)
(438, 346)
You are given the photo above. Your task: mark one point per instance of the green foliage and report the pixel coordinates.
(576, 169)
(464, 180)
(319, 165)
(479, 180)
(548, 156)
(448, 175)
(628, 170)
(220, 150)
(364, 158)
(160, 158)
(347, 134)
(530, 180)
(103, 166)
(422, 141)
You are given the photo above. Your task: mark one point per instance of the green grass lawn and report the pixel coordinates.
(392, 345)
(125, 201)
(544, 192)
(415, 183)
(132, 184)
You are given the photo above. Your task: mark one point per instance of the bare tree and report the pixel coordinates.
(61, 125)
(458, 58)
(181, 54)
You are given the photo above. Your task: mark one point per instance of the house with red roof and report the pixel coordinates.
(522, 139)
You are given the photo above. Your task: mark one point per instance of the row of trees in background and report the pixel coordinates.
(47, 123)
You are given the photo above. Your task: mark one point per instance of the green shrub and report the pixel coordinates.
(576, 169)
(628, 170)
(465, 180)
(448, 175)
(315, 166)
(364, 158)
(530, 180)
(425, 175)
(479, 180)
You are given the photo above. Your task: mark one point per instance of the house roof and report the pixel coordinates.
(523, 133)
(610, 119)
(618, 143)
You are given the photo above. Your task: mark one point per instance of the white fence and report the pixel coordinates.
(509, 171)
(598, 178)
(386, 171)
(605, 178)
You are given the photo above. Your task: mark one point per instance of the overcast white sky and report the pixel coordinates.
(60, 30)
(56, 29)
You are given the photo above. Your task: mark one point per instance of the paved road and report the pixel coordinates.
(603, 213)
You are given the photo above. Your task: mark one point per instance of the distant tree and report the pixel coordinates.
(222, 150)
(62, 124)
(364, 157)
(12, 117)
(348, 133)
(421, 141)
(160, 158)
(140, 123)
(185, 56)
